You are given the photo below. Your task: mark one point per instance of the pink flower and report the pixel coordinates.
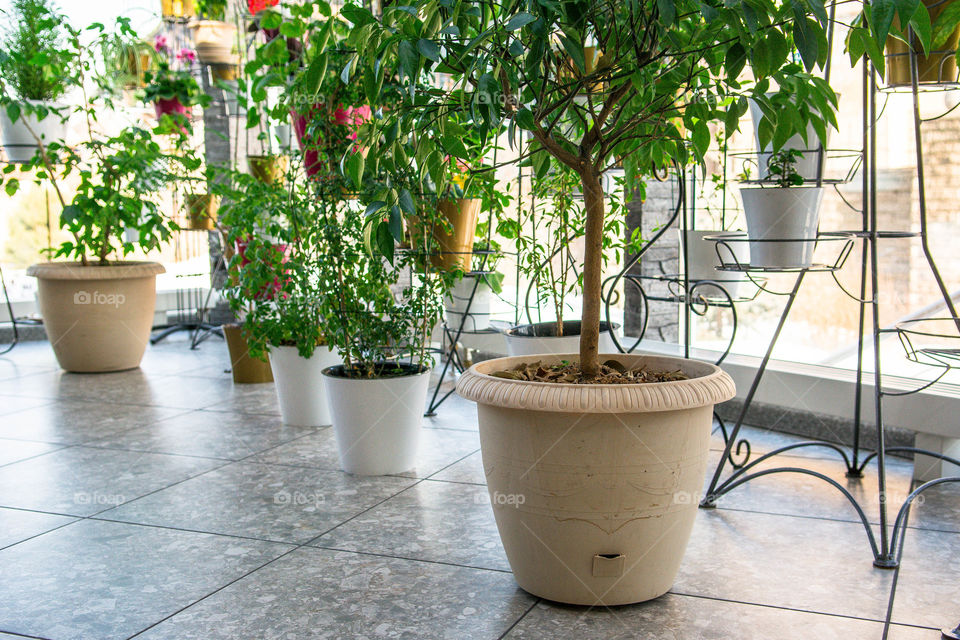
(160, 43)
(187, 54)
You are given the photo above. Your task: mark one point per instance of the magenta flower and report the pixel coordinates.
(187, 54)
(160, 43)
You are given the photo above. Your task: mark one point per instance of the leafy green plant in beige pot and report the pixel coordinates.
(97, 307)
(602, 454)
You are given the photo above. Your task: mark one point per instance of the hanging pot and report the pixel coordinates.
(542, 338)
(300, 388)
(178, 8)
(19, 144)
(227, 72)
(939, 67)
(782, 213)
(451, 250)
(704, 259)
(170, 106)
(202, 211)
(215, 42)
(269, 168)
(137, 62)
(595, 487)
(97, 318)
(377, 420)
(246, 370)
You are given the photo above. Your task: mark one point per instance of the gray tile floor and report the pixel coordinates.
(169, 503)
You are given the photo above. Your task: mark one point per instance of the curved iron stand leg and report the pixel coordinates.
(709, 499)
(899, 536)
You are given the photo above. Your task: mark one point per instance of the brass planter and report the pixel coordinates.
(246, 370)
(268, 169)
(178, 8)
(202, 211)
(937, 68)
(452, 250)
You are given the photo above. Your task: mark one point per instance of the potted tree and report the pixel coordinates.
(36, 70)
(597, 503)
(544, 237)
(783, 211)
(98, 308)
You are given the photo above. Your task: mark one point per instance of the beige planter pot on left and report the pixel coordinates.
(595, 487)
(98, 319)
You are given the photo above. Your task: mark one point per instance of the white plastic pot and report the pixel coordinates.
(704, 257)
(19, 144)
(539, 338)
(782, 213)
(300, 389)
(595, 488)
(377, 421)
(806, 164)
(457, 299)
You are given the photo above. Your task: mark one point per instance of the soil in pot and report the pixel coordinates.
(246, 370)
(601, 481)
(377, 420)
(565, 372)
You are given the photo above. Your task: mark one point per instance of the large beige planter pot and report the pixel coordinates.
(594, 487)
(97, 318)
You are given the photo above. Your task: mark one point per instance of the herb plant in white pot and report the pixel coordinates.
(783, 216)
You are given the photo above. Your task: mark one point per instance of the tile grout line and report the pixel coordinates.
(795, 609)
(520, 619)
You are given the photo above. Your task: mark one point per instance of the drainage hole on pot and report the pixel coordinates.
(608, 565)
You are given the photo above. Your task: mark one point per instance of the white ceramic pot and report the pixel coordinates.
(303, 401)
(539, 338)
(705, 256)
(806, 164)
(377, 421)
(456, 305)
(19, 144)
(778, 213)
(595, 487)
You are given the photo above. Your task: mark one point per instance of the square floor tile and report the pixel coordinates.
(673, 617)
(205, 433)
(16, 450)
(438, 521)
(10, 404)
(77, 421)
(314, 594)
(17, 525)
(106, 580)
(439, 448)
(469, 470)
(258, 399)
(271, 502)
(82, 481)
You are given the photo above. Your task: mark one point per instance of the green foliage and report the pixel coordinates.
(167, 83)
(781, 167)
(212, 9)
(35, 61)
(117, 176)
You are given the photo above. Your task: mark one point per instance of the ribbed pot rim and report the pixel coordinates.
(707, 386)
(77, 271)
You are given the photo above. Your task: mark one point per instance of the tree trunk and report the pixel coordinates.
(592, 272)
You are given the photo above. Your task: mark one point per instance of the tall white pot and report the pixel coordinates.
(377, 421)
(704, 257)
(19, 144)
(808, 162)
(478, 317)
(595, 487)
(300, 388)
(782, 213)
(536, 339)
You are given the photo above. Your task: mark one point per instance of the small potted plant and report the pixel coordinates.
(544, 239)
(172, 88)
(278, 293)
(785, 210)
(37, 67)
